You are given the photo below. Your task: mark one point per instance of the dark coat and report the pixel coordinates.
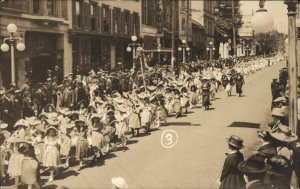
(259, 185)
(231, 177)
(239, 81)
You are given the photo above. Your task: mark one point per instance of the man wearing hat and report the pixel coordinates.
(255, 171)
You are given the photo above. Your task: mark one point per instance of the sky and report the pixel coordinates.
(277, 9)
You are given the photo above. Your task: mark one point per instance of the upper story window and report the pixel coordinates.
(36, 7)
(77, 7)
(106, 18)
(93, 9)
(117, 16)
(50, 8)
(126, 22)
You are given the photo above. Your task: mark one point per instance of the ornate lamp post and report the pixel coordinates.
(248, 50)
(210, 49)
(262, 23)
(132, 46)
(184, 47)
(12, 29)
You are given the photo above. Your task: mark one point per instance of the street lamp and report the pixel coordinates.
(248, 50)
(262, 21)
(292, 55)
(210, 49)
(184, 47)
(12, 29)
(132, 46)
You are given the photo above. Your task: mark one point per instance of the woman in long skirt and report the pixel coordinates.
(239, 82)
(206, 94)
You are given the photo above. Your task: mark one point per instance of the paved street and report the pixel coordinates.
(197, 159)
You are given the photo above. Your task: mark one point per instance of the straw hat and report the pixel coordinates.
(41, 128)
(51, 127)
(32, 121)
(69, 125)
(49, 105)
(22, 122)
(64, 112)
(283, 133)
(151, 88)
(53, 121)
(254, 164)
(235, 141)
(278, 112)
(119, 182)
(280, 99)
(3, 125)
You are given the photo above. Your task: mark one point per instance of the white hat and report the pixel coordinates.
(119, 182)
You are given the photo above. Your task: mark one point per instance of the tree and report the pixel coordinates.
(225, 21)
(269, 43)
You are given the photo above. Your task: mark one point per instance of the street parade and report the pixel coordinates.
(149, 94)
(79, 121)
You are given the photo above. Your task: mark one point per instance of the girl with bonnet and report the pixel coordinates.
(51, 157)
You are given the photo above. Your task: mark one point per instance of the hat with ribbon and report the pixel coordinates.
(283, 133)
(279, 112)
(235, 141)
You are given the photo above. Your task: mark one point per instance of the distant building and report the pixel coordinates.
(44, 26)
(101, 30)
(247, 44)
(206, 18)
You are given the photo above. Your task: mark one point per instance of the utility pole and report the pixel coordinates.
(233, 28)
(173, 34)
(292, 65)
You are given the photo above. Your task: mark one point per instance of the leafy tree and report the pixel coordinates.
(269, 43)
(225, 21)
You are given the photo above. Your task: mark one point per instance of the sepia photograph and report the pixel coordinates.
(149, 94)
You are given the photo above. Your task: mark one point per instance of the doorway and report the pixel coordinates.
(40, 65)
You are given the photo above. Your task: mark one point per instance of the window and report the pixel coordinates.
(36, 6)
(106, 18)
(144, 11)
(77, 7)
(50, 7)
(93, 11)
(117, 18)
(126, 22)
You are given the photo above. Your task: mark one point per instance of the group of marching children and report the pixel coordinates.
(94, 127)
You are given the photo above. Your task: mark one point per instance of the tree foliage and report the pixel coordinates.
(225, 21)
(270, 42)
